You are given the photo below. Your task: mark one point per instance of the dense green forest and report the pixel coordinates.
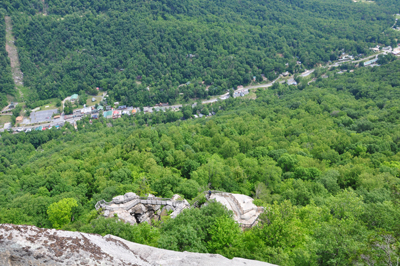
(322, 159)
(140, 51)
(6, 81)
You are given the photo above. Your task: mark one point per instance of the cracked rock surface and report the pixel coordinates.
(30, 245)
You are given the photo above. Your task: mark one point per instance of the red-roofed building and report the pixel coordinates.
(116, 113)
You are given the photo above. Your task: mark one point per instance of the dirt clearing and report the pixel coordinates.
(13, 55)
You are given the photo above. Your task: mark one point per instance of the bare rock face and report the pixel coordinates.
(134, 209)
(244, 211)
(25, 245)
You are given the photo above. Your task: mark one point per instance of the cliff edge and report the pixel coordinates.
(30, 245)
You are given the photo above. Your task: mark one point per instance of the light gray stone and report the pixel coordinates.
(25, 245)
(130, 196)
(132, 209)
(118, 199)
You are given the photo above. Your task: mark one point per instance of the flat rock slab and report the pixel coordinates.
(30, 245)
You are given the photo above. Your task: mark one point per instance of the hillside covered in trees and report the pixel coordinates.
(140, 51)
(6, 81)
(322, 159)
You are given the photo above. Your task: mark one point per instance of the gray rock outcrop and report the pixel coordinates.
(134, 209)
(245, 212)
(28, 245)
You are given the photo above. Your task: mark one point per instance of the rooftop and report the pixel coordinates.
(107, 113)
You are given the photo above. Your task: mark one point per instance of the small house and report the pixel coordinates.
(108, 108)
(108, 114)
(93, 99)
(86, 110)
(116, 114)
(19, 119)
(99, 107)
(74, 97)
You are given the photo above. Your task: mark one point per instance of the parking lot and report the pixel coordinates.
(42, 116)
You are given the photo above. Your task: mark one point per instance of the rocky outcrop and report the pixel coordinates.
(28, 245)
(134, 209)
(242, 206)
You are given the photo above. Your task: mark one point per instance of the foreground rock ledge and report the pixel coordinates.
(30, 245)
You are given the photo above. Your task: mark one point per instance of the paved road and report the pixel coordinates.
(306, 73)
(336, 64)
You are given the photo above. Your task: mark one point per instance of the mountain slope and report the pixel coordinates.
(126, 46)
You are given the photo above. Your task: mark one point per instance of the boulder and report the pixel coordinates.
(118, 199)
(138, 209)
(126, 217)
(176, 197)
(245, 212)
(129, 196)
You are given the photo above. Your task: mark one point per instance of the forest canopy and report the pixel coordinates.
(322, 159)
(6, 81)
(141, 51)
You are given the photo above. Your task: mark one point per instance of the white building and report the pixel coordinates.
(86, 110)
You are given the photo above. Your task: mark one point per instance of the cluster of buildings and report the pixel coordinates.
(109, 111)
(396, 51)
(387, 49)
(117, 113)
(345, 57)
(240, 93)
